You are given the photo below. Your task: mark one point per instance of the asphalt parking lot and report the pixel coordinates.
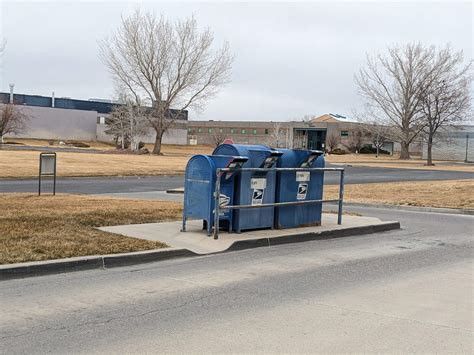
(130, 184)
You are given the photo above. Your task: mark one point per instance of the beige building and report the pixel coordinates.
(310, 134)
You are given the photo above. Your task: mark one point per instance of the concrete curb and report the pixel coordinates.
(59, 266)
(411, 208)
(306, 237)
(50, 267)
(179, 190)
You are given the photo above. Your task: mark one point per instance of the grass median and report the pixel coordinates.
(34, 228)
(49, 227)
(443, 193)
(24, 163)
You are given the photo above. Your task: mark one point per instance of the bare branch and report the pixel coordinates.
(173, 64)
(332, 141)
(391, 86)
(448, 99)
(13, 120)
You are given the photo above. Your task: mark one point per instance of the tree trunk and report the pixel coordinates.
(378, 151)
(405, 152)
(157, 146)
(429, 160)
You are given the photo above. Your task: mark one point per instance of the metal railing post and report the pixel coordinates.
(54, 182)
(341, 197)
(39, 176)
(217, 194)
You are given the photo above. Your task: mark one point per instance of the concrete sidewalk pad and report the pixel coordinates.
(196, 240)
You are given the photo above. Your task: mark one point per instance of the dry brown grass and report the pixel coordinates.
(50, 227)
(183, 150)
(385, 161)
(173, 162)
(25, 164)
(450, 194)
(167, 149)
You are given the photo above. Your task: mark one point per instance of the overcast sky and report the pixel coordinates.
(291, 58)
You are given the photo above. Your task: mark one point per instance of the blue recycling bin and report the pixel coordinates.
(253, 188)
(299, 186)
(199, 186)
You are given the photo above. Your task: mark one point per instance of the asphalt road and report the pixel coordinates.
(402, 291)
(99, 185)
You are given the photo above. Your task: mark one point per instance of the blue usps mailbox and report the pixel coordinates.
(199, 185)
(299, 186)
(253, 188)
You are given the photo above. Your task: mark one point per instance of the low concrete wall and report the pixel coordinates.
(56, 123)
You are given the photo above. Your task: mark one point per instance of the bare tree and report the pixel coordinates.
(128, 123)
(333, 140)
(448, 99)
(378, 134)
(218, 136)
(13, 120)
(392, 86)
(117, 125)
(277, 136)
(172, 64)
(355, 141)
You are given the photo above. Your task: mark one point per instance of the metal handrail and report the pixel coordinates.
(217, 192)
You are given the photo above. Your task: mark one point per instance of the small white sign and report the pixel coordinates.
(257, 196)
(47, 164)
(258, 183)
(302, 191)
(303, 176)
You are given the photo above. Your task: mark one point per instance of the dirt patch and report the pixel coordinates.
(49, 227)
(448, 194)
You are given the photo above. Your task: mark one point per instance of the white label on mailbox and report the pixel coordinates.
(257, 196)
(302, 191)
(258, 183)
(302, 176)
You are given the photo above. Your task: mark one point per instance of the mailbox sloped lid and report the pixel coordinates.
(256, 153)
(200, 167)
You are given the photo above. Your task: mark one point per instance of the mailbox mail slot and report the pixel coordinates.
(199, 186)
(253, 188)
(299, 186)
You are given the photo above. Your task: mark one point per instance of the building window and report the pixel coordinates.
(209, 130)
(232, 130)
(266, 130)
(190, 130)
(221, 130)
(199, 130)
(344, 133)
(254, 131)
(243, 131)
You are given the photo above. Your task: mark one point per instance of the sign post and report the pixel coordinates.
(47, 167)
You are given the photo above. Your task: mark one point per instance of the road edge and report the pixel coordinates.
(60, 266)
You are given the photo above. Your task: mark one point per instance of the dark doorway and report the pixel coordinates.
(316, 139)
